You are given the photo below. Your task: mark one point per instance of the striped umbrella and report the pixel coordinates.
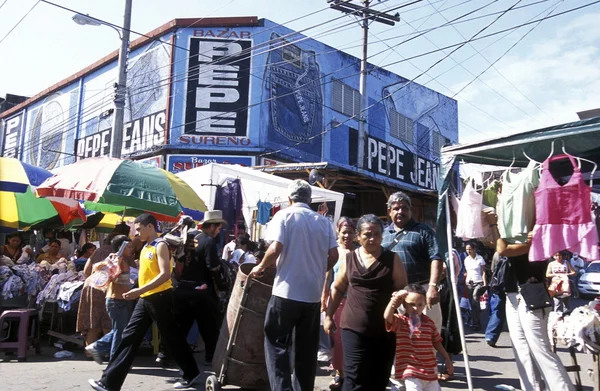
(16, 176)
(20, 208)
(123, 183)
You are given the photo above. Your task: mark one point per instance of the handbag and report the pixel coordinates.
(535, 295)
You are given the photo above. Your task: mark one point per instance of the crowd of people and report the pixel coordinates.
(379, 286)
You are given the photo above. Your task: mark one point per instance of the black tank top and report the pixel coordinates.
(368, 294)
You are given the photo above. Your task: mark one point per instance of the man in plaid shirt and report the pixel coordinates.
(417, 247)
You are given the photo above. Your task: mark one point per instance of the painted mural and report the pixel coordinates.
(50, 129)
(244, 91)
(293, 95)
(145, 104)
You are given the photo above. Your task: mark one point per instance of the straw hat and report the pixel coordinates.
(213, 216)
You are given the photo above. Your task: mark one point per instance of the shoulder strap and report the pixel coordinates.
(394, 242)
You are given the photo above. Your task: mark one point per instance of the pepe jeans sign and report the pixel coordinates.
(396, 163)
(218, 87)
(139, 135)
(12, 135)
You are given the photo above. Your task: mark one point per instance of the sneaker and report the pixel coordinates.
(91, 349)
(97, 385)
(182, 384)
(164, 360)
(490, 343)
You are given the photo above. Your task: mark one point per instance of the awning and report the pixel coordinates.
(581, 138)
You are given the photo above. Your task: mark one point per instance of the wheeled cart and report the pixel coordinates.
(240, 354)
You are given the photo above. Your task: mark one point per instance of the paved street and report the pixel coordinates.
(489, 366)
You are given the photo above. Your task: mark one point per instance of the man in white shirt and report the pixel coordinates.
(304, 248)
(230, 247)
(577, 262)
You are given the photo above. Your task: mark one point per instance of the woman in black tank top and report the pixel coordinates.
(369, 277)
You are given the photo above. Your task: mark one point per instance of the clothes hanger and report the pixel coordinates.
(579, 159)
(527, 156)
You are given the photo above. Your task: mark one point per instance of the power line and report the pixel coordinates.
(20, 20)
(497, 70)
(2, 5)
(484, 83)
(460, 45)
(187, 73)
(422, 54)
(250, 106)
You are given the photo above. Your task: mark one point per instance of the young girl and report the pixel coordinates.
(416, 336)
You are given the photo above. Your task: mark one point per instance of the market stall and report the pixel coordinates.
(256, 187)
(580, 139)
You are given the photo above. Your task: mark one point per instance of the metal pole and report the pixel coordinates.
(362, 120)
(121, 87)
(455, 292)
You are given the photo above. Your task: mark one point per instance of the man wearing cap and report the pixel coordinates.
(303, 246)
(195, 295)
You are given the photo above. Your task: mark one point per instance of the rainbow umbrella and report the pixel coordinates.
(16, 176)
(123, 183)
(20, 208)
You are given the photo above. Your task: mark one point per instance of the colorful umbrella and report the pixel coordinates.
(16, 176)
(124, 183)
(20, 208)
(23, 210)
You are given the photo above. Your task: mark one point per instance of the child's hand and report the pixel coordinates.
(401, 294)
(398, 298)
(450, 367)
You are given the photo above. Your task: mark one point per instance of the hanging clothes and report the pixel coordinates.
(229, 200)
(469, 223)
(564, 218)
(516, 203)
(490, 194)
(264, 212)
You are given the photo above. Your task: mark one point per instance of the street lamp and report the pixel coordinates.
(121, 85)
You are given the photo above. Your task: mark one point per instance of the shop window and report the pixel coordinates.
(438, 142)
(401, 127)
(346, 99)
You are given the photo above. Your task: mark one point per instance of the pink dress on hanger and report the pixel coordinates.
(563, 216)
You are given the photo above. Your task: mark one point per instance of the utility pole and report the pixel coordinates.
(366, 14)
(121, 86)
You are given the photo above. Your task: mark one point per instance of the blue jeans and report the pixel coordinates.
(119, 312)
(497, 317)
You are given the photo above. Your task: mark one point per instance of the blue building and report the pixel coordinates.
(246, 91)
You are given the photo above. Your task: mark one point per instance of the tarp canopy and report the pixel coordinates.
(581, 139)
(256, 186)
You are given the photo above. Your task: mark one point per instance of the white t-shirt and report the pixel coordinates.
(473, 267)
(306, 237)
(248, 258)
(577, 263)
(228, 249)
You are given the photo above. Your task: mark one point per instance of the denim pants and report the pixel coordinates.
(533, 354)
(119, 312)
(291, 344)
(158, 308)
(497, 317)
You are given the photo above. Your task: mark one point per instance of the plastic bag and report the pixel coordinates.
(104, 272)
(483, 299)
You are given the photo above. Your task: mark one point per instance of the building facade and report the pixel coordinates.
(242, 91)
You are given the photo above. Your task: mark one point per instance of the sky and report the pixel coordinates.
(549, 75)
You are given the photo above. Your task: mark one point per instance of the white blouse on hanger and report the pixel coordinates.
(469, 221)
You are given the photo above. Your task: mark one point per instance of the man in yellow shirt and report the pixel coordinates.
(155, 305)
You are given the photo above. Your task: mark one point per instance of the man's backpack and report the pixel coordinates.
(499, 275)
